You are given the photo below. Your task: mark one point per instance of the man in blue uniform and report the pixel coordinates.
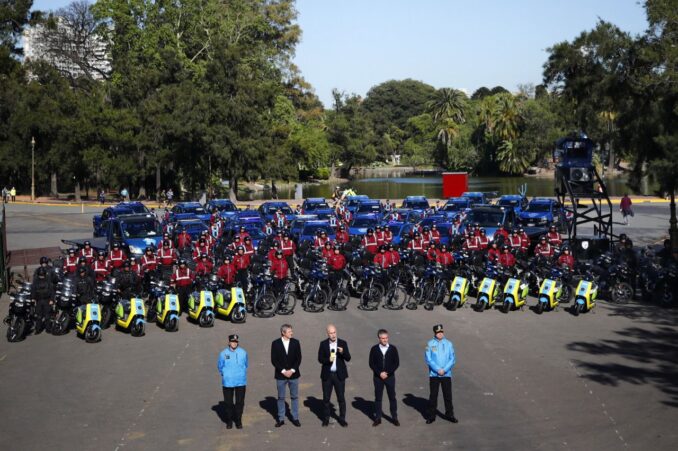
(440, 359)
(232, 366)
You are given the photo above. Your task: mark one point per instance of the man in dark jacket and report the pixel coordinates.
(384, 362)
(42, 292)
(286, 358)
(333, 354)
(84, 286)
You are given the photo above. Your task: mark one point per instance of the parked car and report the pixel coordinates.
(188, 210)
(515, 201)
(369, 206)
(417, 203)
(268, 209)
(133, 231)
(455, 206)
(227, 209)
(353, 202)
(476, 198)
(317, 206)
(542, 211)
(361, 222)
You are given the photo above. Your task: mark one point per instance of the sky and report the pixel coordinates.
(353, 45)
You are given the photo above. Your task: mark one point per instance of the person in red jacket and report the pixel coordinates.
(204, 266)
(426, 237)
(279, 271)
(101, 267)
(416, 244)
(501, 232)
(135, 267)
(149, 262)
(269, 228)
(288, 248)
(515, 242)
(184, 240)
(336, 263)
(382, 258)
(432, 252)
(524, 240)
(554, 237)
(395, 255)
(566, 258)
(166, 237)
(348, 216)
(435, 234)
(280, 219)
(471, 242)
(369, 242)
(201, 248)
(388, 234)
(483, 240)
(342, 235)
(327, 250)
(243, 233)
(543, 248)
(379, 235)
(506, 258)
(242, 263)
(493, 252)
(117, 257)
(227, 272)
(70, 263)
(320, 240)
(88, 252)
(271, 252)
(182, 279)
(248, 246)
(444, 257)
(166, 255)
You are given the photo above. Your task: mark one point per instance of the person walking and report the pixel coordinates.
(333, 354)
(625, 208)
(12, 192)
(440, 359)
(286, 359)
(384, 362)
(232, 365)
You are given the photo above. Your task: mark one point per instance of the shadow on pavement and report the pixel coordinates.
(220, 409)
(270, 405)
(316, 406)
(647, 314)
(365, 406)
(651, 357)
(417, 403)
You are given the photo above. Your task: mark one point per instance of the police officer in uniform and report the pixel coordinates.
(232, 365)
(440, 359)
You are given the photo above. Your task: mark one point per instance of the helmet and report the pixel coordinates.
(482, 231)
(500, 225)
(370, 230)
(378, 227)
(87, 243)
(390, 246)
(228, 257)
(101, 254)
(322, 232)
(416, 234)
(514, 232)
(116, 245)
(240, 248)
(182, 261)
(342, 227)
(382, 248)
(148, 249)
(434, 226)
(387, 227)
(82, 260)
(566, 248)
(521, 230)
(327, 243)
(278, 253)
(127, 264)
(552, 227)
(476, 225)
(202, 241)
(71, 251)
(165, 243)
(542, 238)
(504, 247)
(44, 260)
(426, 229)
(203, 256)
(443, 247)
(82, 269)
(623, 237)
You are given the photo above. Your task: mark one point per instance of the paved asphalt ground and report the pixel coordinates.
(602, 381)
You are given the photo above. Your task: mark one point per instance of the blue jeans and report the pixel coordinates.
(294, 396)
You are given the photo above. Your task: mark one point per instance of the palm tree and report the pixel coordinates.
(508, 118)
(511, 159)
(448, 110)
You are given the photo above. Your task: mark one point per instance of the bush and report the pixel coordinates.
(322, 173)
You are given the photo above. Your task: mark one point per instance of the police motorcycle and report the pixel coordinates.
(667, 286)
(88, 321)
(515, 294)
(550, 294)
(458, 292)
(228, 302)
(63, 309)
(21, 314)
(164, 306)
(615, 280)
(585, 297)
(107, 297)
(489, 290)
(130, 315)
(201, 302)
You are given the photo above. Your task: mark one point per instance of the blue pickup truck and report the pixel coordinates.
(133, 231)
(189, 210)
(225, 207)
(100, 222)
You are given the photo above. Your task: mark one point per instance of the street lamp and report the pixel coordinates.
(32, 168)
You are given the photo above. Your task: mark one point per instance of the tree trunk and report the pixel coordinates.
(158, 182)
(610, 163)
(233, 189)
(142, 193)
(53, 191)
(78, 197)
(673, 229)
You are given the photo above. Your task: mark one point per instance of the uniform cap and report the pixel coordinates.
(438, 328)
(233, 337)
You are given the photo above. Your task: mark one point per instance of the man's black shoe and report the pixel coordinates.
(238, 425)
(376, 423)
(452, 418)
(326, 422)
(279, 423)
(296, 423)
(229, 426)
(396, 423)
(430, 420)
(343, 422)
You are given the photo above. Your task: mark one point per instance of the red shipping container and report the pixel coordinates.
(454, 184)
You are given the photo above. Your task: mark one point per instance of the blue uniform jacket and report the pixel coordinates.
(233, 367)
(440, 354)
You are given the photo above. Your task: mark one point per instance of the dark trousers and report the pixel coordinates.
(42, 312)
(183, 292)
(379, 385)
(339, 385)
(241, 278)
(434, 383)
(234, 410)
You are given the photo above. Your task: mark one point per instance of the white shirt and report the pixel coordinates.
(286, 345)
(333, 345)
(383, 349)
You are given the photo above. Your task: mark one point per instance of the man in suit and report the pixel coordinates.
(286, 358)
(333, 354)
(440, 359)
(384, 362)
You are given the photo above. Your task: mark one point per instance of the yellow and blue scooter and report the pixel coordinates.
(488, 293)
(515, 294)
(585, 297)
(458, 292)
(130, 315)
(201, 308)
(88, 322)
(231, 304)
(550, 293)
(167, 308)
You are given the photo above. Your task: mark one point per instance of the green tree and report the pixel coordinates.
(393, 102)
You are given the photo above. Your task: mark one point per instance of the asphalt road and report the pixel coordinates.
(605, 381)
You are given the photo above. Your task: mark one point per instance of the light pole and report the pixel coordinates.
(32, 168)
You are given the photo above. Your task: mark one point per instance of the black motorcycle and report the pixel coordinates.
(21, 314)
(667, 286)
(63, 311)
(107, 297)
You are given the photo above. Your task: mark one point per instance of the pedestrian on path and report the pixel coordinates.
(232, 365)
(625, 208)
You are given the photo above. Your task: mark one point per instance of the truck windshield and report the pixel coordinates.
(538, 208)
(226, 207)
(485, 218)
(140, 229)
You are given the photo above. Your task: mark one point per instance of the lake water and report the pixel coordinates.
(431, 186)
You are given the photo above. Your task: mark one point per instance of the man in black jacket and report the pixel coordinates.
(384, 362)
(42, 292)
(333, 354)
(286, 358)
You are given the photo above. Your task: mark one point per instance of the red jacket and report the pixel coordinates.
(435, 236)
(183, 277)
(380, 237)
(515, 242)
(567, 260)
(544, 250)
(101, 269)
(431, 254)
(199, 250)
(241, 261)
(184, 240)
(288, 247)
(395, 257)
(320, 242)
(383, 260)
(388, 236)
(483, 242)
(70, 264)
(327, 253)
(337, 261)
(167, 256)
(554, 238)
(471, 243)
(88, 254)
(117, 258)
(149, 263)
(227, 273)
(445, 258)
(524, 241)
(493, 254)
(204, 267)
(342, 236)
(507, 259)
(279, 268)
(502, 233)
(416, 245)
(370, 244)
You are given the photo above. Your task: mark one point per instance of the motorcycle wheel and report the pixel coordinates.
(16, 329)
(566, 293)
(60, 326)
(667, 298)
(453, 305)
(152, 313)
(480, 305)
(92, 334)
(238, 316)
(539, 308)
(106, 314)
(137, 330)
(340, 298)
(621, 293)
(205, 319)
(576, 308)
(172, 325)
(506, 307)
(265, 306)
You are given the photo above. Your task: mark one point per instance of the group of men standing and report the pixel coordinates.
(333, 354)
